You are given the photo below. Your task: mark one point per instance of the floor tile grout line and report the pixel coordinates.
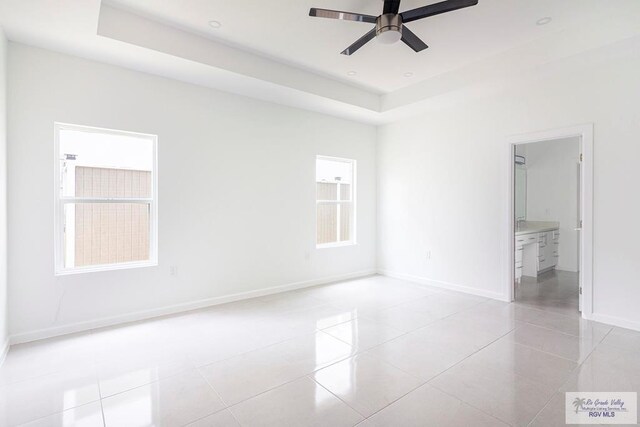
(306, 374)
(543, 351)
(104, 418)
(323, 330)
(420, 380)
(224, 404)
(576, 368)
(197, 368)
(157, 380)
(459, 362)
(363, 317)
(548, 328)
(362, 351)
(99, 400)
(244, 353)
(557, 390)
(430, 325)
(433, 377)
(369, 353)
(547, 403)
(434, 292)
(536, 308)
(469, 404)
(208, 415)
(422, 383)
(364, 417)
(550, 312)
(397, 399)
(60, 412)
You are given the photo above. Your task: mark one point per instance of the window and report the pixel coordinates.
(335, 201)
(106, 199)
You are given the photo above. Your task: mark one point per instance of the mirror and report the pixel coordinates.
(521, 192)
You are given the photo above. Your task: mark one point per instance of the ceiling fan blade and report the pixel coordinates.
(360, 42)
(413, 41)
(345, 16)
(436, 9)
(391, 6)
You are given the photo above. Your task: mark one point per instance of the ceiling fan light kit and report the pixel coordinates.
(390, 26)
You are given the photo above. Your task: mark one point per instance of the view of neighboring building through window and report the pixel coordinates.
(106, 199)
(335, 201)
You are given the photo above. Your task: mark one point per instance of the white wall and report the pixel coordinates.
(236, 191)
(4, 328)
(442, 178)
(552, 192)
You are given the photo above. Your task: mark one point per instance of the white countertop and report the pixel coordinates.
(537, 227)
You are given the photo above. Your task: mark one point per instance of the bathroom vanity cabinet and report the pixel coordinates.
(536, 249)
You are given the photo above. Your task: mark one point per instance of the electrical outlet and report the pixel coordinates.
(173, 270)
(428, 256)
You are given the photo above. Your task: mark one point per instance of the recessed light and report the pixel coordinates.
(543, 21)
(408, 74)
(215, 24)
(351, 73)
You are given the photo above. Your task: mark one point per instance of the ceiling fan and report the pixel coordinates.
(390, 26)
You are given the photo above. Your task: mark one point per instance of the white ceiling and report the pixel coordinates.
(282, 30)
(273, 50)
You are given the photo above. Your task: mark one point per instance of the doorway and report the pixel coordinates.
(550, 233)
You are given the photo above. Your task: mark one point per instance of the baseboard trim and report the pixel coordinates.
(615, 321)
(444, 285)
(177, 308)
(4, 350)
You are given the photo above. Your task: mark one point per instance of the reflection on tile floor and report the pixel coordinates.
(369, 352)
(553, 291)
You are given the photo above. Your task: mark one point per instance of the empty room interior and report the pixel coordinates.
(319, 213)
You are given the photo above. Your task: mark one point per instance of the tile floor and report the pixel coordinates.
(368, 352)
(555, 291)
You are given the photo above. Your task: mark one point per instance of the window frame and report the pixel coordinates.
(353, 240)
(60, 202)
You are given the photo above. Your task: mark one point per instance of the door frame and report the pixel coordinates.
(585, 133)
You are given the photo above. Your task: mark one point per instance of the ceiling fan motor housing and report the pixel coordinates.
(389, 28)
(390, 25)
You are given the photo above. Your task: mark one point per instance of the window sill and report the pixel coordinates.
(105, 267)
(335, 245)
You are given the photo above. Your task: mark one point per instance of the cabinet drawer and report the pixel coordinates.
(525, 239)
(544, 263)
